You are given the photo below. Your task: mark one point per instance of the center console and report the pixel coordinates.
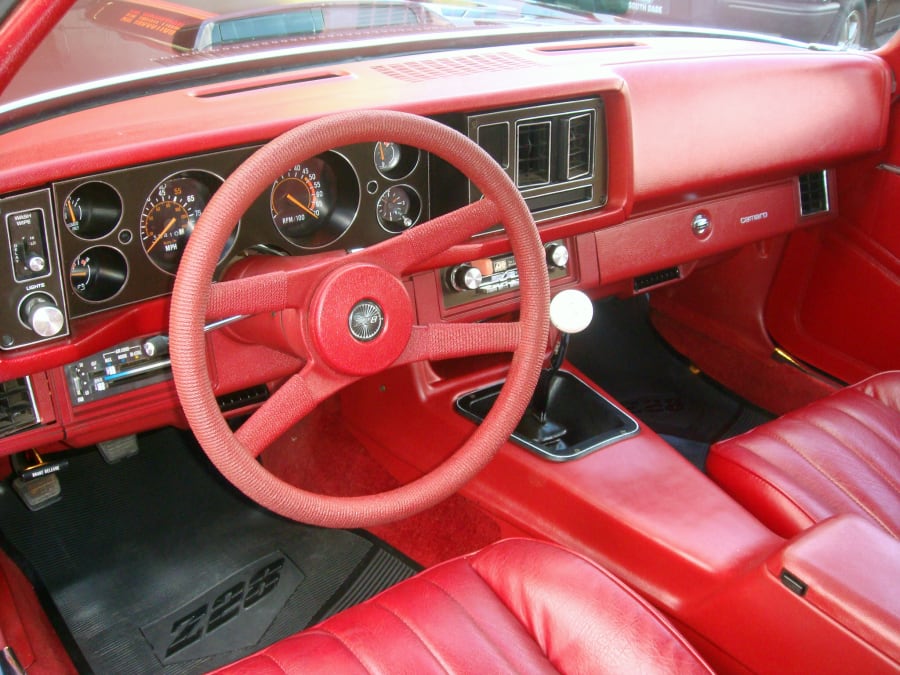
(645, 513)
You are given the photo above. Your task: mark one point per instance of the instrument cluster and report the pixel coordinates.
(122, 233)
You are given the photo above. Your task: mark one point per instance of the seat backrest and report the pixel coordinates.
(838, 455)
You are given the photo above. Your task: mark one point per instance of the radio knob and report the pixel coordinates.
(557, 255)
(465, 278)
(41, 313)
(158, 345)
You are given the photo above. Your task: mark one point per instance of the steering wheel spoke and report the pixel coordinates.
(295, 399)
(251, 295)
(447, 341)
(272, 290)
(428, 239)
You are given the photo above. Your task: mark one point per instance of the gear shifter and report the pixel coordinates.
(571, 312)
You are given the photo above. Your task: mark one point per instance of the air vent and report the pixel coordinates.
(656, 278)
(813, 193)
(17, 410)
(555, 153)
(578, 146)
(533, 153)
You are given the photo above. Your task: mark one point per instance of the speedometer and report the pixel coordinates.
(170, 213)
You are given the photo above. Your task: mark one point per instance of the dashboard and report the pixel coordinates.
(606, 142)
(106, 240)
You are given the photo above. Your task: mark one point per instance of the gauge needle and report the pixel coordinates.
(300, 205)
(71, 211)
(381, 150)
(162, 234)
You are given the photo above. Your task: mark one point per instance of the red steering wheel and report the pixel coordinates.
(329, 295)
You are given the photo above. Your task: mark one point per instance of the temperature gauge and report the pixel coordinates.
(92, 210)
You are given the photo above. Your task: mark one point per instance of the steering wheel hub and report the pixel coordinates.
(361, 318)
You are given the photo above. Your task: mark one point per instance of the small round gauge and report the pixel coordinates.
(395, 161)
(170, 213)
(398, 208)
(387, 156)
(315, 202)
(73, 213)
(92, 210)
(98, 273)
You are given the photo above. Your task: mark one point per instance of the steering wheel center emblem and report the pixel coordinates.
(366, 320)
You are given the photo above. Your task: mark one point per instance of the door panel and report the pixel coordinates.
(835, 301)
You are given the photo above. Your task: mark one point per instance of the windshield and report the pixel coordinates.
(99, 45)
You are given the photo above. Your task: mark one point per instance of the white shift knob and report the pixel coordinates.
(571, 311)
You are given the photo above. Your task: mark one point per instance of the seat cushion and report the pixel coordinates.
(838, 455)
(516, 606)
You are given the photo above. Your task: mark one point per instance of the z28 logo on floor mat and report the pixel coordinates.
(233, 615)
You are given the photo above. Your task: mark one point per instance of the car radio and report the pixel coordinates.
(475, 279)
(120, 368)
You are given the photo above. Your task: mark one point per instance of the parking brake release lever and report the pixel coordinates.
(571, 312)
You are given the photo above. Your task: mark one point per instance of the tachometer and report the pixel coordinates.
(302, 199)
(315, 202)
(170, 213)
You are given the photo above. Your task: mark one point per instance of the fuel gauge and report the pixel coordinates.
(395, 161)
(387, 156)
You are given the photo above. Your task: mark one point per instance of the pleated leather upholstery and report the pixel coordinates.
(838, 455)
(518, 606)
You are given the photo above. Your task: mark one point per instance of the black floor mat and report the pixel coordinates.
(155, 564)
(622, 353)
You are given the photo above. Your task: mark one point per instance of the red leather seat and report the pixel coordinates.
(838, 455)
(518, 606)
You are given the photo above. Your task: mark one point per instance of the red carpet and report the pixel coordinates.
(320, 454)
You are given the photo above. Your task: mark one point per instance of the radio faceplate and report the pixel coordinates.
(120, 368)
(477, 279)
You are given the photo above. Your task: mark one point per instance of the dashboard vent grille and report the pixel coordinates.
(813, 193)
(17, 410)
(533, 157)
